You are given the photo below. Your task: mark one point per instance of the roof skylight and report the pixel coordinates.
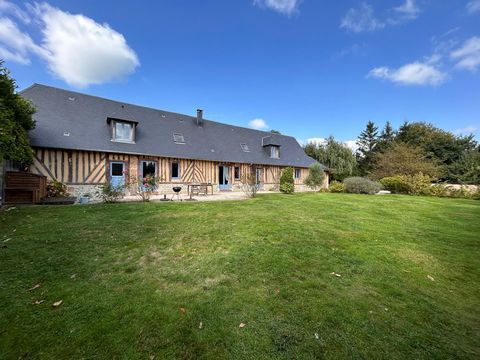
(245, 147)
(178, 138)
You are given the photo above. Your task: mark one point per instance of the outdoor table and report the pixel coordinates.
(192, 186)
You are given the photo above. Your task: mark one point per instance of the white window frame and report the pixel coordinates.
(114, 132)
(275, 152)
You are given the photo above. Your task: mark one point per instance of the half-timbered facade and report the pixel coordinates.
(85, 141)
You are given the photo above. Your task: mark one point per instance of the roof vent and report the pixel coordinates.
(199, 117)
(71, 98)
(66, 133)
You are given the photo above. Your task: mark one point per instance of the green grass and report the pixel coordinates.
(126, 272)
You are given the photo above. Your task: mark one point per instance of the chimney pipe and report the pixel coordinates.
(199, 117)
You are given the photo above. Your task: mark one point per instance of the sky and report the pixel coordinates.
(307, 68)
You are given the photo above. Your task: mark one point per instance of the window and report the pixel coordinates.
(244, 147)
(175, 170)
(178, 138)
(122, 131)
(298, 173)
(274, 152)
(149, 168)
(117, 169)
(237, 172)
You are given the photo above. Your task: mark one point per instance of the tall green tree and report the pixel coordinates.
(437, 144)
(367, 141)
(15, 121)
(339, 159)
(386, 138)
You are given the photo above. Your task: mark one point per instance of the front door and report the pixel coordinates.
(224, 177)
(117, 173)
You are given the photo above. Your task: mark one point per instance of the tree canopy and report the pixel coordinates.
(15, 121)
(335, 155)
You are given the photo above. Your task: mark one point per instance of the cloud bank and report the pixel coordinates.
(76, 49)
(286, 7)
(258, 124)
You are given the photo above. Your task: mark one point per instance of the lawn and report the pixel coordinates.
(309, 276)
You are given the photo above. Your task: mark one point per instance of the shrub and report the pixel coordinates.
(359, 185)
(109, 193)
(142, 187)
(417, 184)
(439, 190)
(336, 187)
(56, 189)
(250, 185)
(287, 184)
(315, 176)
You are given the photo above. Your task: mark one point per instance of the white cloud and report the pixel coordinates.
(319, 141)
(361, 19)
(416, 73)
(473, 6)
(352, 145)
(286, 7)
(77, 49)
(468, 55)
(258, 124)
(408, 11)
(16, 45)
(84, 52)
(7, 7)
(466, 131)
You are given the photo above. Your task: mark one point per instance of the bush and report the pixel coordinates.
(359, 185)
(315, 177)
(417, 184)
(109, 193)
(336, 187)
(287, 184)
(56, 189)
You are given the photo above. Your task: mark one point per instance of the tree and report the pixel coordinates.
(335, 155)
(315, 176)
(367, 141)
(387, 134)
(15, 121)
(276, 132)
(467, 169)
(404, 159)
(437, 144)
(287, 184)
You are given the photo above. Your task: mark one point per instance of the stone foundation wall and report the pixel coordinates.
(79, 190)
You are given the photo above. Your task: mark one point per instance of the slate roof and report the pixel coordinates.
(84, 118)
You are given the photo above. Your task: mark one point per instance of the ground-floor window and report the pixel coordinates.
(175, 171)
(237, 172)
(148, 168)
(298, 173)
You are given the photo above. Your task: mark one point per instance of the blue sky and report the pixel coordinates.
(309, 68)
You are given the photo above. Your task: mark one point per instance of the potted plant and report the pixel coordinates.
(84, 199)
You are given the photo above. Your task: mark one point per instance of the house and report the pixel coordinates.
(85, 141)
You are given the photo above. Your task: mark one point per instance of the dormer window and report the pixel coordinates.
(274, 152)
(123, 131)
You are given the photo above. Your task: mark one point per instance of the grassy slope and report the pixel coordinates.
(264, 262)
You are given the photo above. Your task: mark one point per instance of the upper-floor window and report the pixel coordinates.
(123, 131)
(298, 173)
(274, 152)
